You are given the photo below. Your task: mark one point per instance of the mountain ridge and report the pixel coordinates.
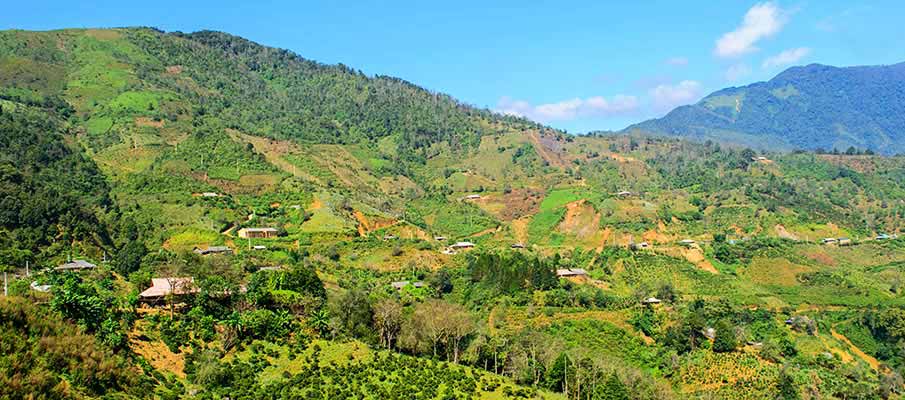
(812, 107)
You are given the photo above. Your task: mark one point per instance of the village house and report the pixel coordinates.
(651, 300)
(401, 284)
(462, 245)
(687, 242)
(640, 246)
(473, 197)
(439, 238)
(829, 241)
(624, 193)
(844, 241)
(256, 233)
(212, 250)
(517, 246)
(210, 194)
(76, 266)
(571, 272)
(162, 287)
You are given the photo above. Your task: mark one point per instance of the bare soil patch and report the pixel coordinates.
(519, 203)
(148, 122)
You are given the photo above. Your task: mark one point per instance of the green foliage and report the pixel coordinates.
(266, 284)
(41, 354)
(48, 191)
(726, 339)
(512, 271)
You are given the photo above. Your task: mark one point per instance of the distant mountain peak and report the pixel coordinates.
(811, 107)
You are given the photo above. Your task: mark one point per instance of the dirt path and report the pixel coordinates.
(229, 231)
(870, 360)
(484, 232)
(605, 236)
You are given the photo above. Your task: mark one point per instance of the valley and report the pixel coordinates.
(353, 236)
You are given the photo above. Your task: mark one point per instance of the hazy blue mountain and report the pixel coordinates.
(811, 107)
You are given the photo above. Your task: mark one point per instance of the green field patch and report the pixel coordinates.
(190, 238)
(560, 197)
(126, 159)
(137, 102)
(543, 225)
(454, 219)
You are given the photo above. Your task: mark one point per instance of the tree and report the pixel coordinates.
(613, 389)
(788, 389)
(437, 325)
(354, 314)
(667, 292)
(128, 258)
(388, 321)
(459, 325)
(726, 340)
(441, 281)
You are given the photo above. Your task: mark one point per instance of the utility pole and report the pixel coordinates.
(26, 269)
(5, 285)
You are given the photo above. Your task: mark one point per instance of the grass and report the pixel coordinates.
(190, 238)
(543, 225)
(560, 197)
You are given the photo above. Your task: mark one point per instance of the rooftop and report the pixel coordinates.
(75, 266)
(260, 229)
(161, 287)
(571, 272)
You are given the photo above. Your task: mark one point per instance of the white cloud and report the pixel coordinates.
(677, 61)
(737, 72)
(665, 97)
(761, 21)
(596, 106)
(787, 57)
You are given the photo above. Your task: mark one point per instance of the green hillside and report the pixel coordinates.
(815, 107)
(130, 148)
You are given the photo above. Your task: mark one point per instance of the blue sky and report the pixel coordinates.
(574, 65)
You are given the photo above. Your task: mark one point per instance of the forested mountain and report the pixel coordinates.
(414, 246)
(812, 107)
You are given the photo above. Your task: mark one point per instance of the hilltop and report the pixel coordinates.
(812, 107)
(138, 150)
